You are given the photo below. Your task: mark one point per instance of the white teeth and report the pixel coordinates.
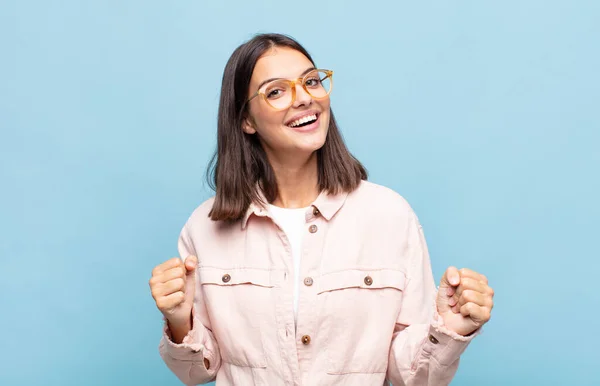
(302, 120)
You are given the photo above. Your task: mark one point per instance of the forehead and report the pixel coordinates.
(280, 62)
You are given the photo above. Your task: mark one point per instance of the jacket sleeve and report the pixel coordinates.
(196, 360)
(423, 352)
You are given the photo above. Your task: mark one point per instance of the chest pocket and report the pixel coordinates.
(240, 304)
(359, 309)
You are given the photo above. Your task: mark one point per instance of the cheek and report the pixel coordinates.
(265, 118)
(325, 108)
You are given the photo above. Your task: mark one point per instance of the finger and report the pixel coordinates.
(165, 303)
(170, 274)
(171, 263)
(168, 288)
(452, 301)
(478, 314)
(468, 283)
(470, 296)
(466, 272)
(191, 262)
(450, 291)
(451, 278)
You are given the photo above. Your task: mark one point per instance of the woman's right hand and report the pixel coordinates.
(172, 285)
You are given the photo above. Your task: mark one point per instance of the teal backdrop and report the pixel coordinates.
(484, 115)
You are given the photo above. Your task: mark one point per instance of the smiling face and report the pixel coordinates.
(298, 130)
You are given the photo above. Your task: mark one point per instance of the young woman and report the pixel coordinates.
(299, 271)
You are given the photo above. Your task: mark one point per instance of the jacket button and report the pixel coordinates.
(308, 281)
(306, 339)
(312, 229)
(226, 278)
(368, 280)
(316, 212)
(433, 339)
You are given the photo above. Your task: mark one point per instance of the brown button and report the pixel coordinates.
(308, 281)
(368, 280)
(207, 364)
(316, 212)
(226, 278)
(433, 339)
(306, 339)
(312, 228)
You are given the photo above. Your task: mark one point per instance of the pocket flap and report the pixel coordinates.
(361, 278)
(234, 276)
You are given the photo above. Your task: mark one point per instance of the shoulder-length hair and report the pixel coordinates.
(239, 169)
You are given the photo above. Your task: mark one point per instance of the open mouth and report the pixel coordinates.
(304, 121)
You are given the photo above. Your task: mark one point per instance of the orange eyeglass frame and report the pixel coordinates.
(292, 83)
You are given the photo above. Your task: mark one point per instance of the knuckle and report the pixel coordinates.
(486, 314)
(468, 295)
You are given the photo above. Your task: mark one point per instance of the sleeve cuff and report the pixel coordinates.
(444, 345)
(192, 346)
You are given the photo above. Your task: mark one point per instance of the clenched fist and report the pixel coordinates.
(172, 285)
(465, 300)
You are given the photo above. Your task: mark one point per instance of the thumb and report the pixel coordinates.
(450, 280)
(191, 263)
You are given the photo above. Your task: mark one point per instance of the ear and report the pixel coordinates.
(248, 125)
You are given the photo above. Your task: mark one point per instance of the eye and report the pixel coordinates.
(273, 93)
(275, 90)
(313, 81)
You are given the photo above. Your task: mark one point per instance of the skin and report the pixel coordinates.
(464, 300)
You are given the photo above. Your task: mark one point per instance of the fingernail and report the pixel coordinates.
(449, 291)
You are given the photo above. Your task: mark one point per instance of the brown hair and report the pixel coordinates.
(240, 164)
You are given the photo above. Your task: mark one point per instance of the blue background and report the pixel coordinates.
(484, 115)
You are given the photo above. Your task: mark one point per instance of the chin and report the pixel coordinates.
(310, 145)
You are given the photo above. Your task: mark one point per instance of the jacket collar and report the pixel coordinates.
(327, 204)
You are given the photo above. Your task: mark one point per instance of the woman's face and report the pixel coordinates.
(280, 132)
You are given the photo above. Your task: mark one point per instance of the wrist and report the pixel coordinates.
(178, 329)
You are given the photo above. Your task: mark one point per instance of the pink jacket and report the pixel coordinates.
(366, 308)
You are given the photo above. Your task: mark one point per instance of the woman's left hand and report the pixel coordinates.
(464, 300)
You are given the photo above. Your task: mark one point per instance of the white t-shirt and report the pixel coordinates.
(293, 222)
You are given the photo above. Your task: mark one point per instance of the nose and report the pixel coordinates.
(302, 97)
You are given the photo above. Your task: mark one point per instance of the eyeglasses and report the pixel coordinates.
(281, 93)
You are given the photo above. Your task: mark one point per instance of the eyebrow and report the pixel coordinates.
(272, 79)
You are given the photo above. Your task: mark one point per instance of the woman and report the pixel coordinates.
(299, 271)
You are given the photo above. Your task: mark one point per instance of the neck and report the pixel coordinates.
(297, 182)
